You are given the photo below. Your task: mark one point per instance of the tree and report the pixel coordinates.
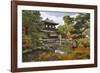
(67, 26)
(79, 27)
(82, 29)
(82, 22)
(31, 20)
(31, 23)
(68, 20)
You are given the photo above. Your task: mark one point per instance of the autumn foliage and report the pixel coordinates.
(78, 53)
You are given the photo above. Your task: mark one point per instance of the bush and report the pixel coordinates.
(77, 54)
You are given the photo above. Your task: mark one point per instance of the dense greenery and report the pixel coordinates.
(79, 28)
(74, 37)
(31, 21)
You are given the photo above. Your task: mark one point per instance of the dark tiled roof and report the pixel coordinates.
(50, 22)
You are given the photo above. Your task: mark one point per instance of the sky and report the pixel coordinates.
(55, 16)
